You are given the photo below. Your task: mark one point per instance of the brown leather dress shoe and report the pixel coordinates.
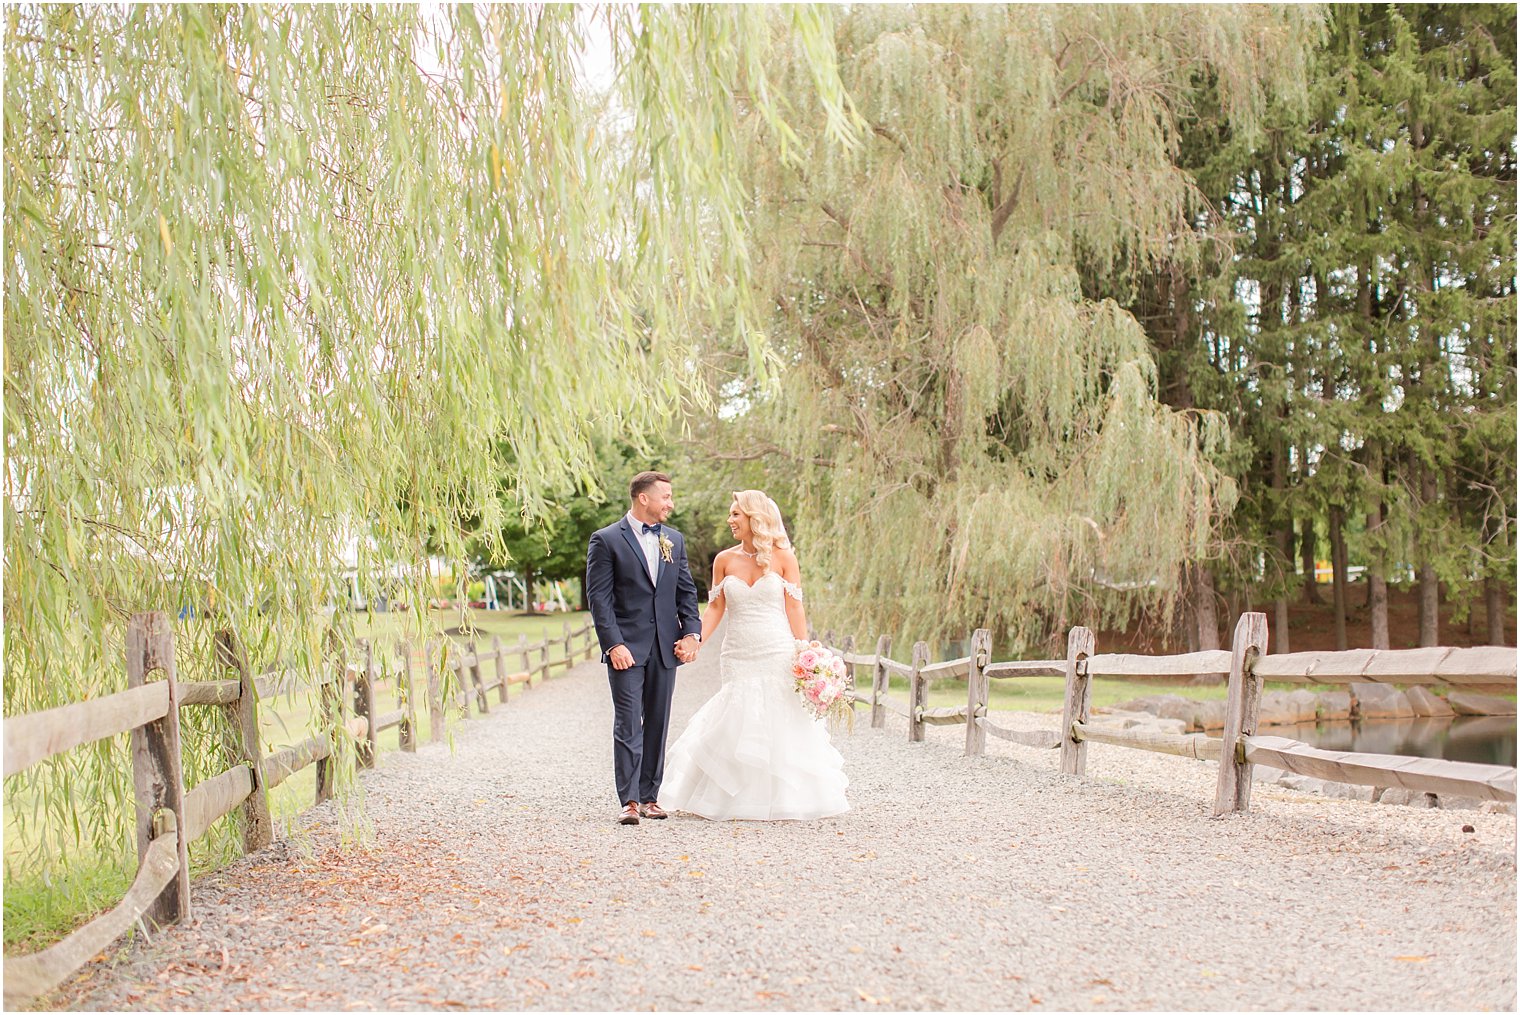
(629, 815)
(653, 810)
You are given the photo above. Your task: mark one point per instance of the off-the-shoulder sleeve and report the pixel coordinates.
(795, 591)
(714, 593)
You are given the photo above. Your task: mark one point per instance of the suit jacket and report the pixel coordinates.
(629, 609)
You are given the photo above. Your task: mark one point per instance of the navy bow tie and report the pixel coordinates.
(655, 528)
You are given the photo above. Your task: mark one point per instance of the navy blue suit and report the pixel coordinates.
(648, 618)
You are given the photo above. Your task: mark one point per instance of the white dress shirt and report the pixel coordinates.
(651, 544)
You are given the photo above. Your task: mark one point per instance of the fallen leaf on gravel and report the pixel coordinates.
(696, 874)
(695, 969)
(649, 933)
(1100, 983)
(868, 999)
(856, 949)
(1036, 1000)
(371, 931)
(1413, 958)
(540, 984)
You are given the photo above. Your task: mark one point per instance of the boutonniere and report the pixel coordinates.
(665, 547)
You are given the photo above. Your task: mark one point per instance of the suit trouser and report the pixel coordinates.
(640, 718)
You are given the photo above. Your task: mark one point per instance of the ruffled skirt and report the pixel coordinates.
(752, 753)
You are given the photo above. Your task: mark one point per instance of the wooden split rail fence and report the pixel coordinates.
(169, 817)
(1247, 667)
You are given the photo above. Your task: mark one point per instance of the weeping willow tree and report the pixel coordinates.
(963, 438)
(279, 280)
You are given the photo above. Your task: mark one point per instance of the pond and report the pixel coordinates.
(1487, 740)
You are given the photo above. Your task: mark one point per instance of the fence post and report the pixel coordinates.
(593, 647)
(435, 696)
(918, 693)
(364, 707)
(1233, 790)
(330, 708)
(501, 667)
(158, 780)
(407, 731)
(879, 683)
(1080, 644)
(461, 680)
(847, 647)
(527, 662)
(480, 680)
(243, 716)
(569, 652)
(543, 660)
(976, 691)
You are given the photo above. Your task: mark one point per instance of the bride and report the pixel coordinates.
(751, 751)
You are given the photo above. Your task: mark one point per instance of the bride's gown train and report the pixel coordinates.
(751, 751)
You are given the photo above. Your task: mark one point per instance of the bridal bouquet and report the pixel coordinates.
(823, 682)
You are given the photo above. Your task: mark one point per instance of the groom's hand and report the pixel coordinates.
(620, 657)
(687, 649)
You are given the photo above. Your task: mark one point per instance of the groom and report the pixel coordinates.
(644, 605)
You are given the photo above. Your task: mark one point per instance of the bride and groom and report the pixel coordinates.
(750, 752)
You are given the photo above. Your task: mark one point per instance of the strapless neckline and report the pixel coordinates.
(750, 585)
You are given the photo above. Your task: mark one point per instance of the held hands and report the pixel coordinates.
(687, 648)
(620, 657)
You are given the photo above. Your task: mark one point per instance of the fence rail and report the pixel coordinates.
(1246, 665)
(169, 818)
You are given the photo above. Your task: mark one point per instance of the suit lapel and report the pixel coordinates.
(638, 549)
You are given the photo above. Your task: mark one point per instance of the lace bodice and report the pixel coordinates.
(758, 638)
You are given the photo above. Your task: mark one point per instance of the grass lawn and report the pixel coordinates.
(1047, 694)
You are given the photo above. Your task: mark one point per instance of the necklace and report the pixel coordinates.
(747, 553)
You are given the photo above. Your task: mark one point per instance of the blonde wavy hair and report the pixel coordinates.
(766, 528)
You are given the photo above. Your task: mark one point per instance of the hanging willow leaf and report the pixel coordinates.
(964, 438)
(280, 278)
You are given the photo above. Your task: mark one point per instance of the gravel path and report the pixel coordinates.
(494, 877)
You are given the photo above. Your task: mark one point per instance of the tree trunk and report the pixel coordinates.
(1494, 603)
(1282, 536)
(1205, 608)
(1377, 584)
(527, 579)
(1306, 561)
(1338, 571)
(1185, 620)
(1430, 589)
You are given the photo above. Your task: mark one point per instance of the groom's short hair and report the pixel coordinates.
(643, 481)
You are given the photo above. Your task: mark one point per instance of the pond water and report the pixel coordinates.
(1487, 740)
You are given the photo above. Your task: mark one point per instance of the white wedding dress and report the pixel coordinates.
(751, 752)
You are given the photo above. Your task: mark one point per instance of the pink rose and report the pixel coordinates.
(807, 660)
